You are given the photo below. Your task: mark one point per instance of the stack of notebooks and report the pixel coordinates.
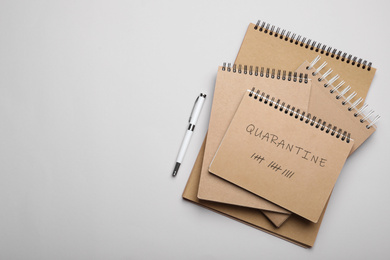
(285, 117)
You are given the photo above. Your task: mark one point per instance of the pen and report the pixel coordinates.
(191, 126)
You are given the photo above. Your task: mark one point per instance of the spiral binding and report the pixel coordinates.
(312, 45)
(365, 117)
(266, 72)
(302, 116)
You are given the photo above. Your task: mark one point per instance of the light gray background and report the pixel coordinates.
(94, 100)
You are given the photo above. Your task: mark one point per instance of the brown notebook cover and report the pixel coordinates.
(282, 154)
(272, 47)
(230, 86)
(296, 230)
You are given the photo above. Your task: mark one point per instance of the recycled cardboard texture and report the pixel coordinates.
(296, 230)
(304, 174)
(324, 105)
(259, 47)
(229, 89)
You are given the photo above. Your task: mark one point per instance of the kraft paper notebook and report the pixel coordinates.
(296, 230)
(332, 103)
(282, 154)
(230, 86)
(272, 47)
(259, 48)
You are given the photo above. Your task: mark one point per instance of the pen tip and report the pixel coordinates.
(176, 169)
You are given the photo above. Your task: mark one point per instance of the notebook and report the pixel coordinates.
(282, 154)
(276, 52)
(328, 109)
(296, 230)
(270, 47)
(333, 103)
(230, 86)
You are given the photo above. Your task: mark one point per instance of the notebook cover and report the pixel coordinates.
(296, 230)
(264, 46)
(276, 152)
(230, 87)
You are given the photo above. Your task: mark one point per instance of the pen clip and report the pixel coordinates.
(192, 111)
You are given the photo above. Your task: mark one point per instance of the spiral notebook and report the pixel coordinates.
(332, 103)
(296, 230)
(274, 47)
(282, 154)
(229, 88)
(335, 107)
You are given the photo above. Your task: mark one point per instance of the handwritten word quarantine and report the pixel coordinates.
(280, 143)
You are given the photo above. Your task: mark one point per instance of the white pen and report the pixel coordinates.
(192, 121)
